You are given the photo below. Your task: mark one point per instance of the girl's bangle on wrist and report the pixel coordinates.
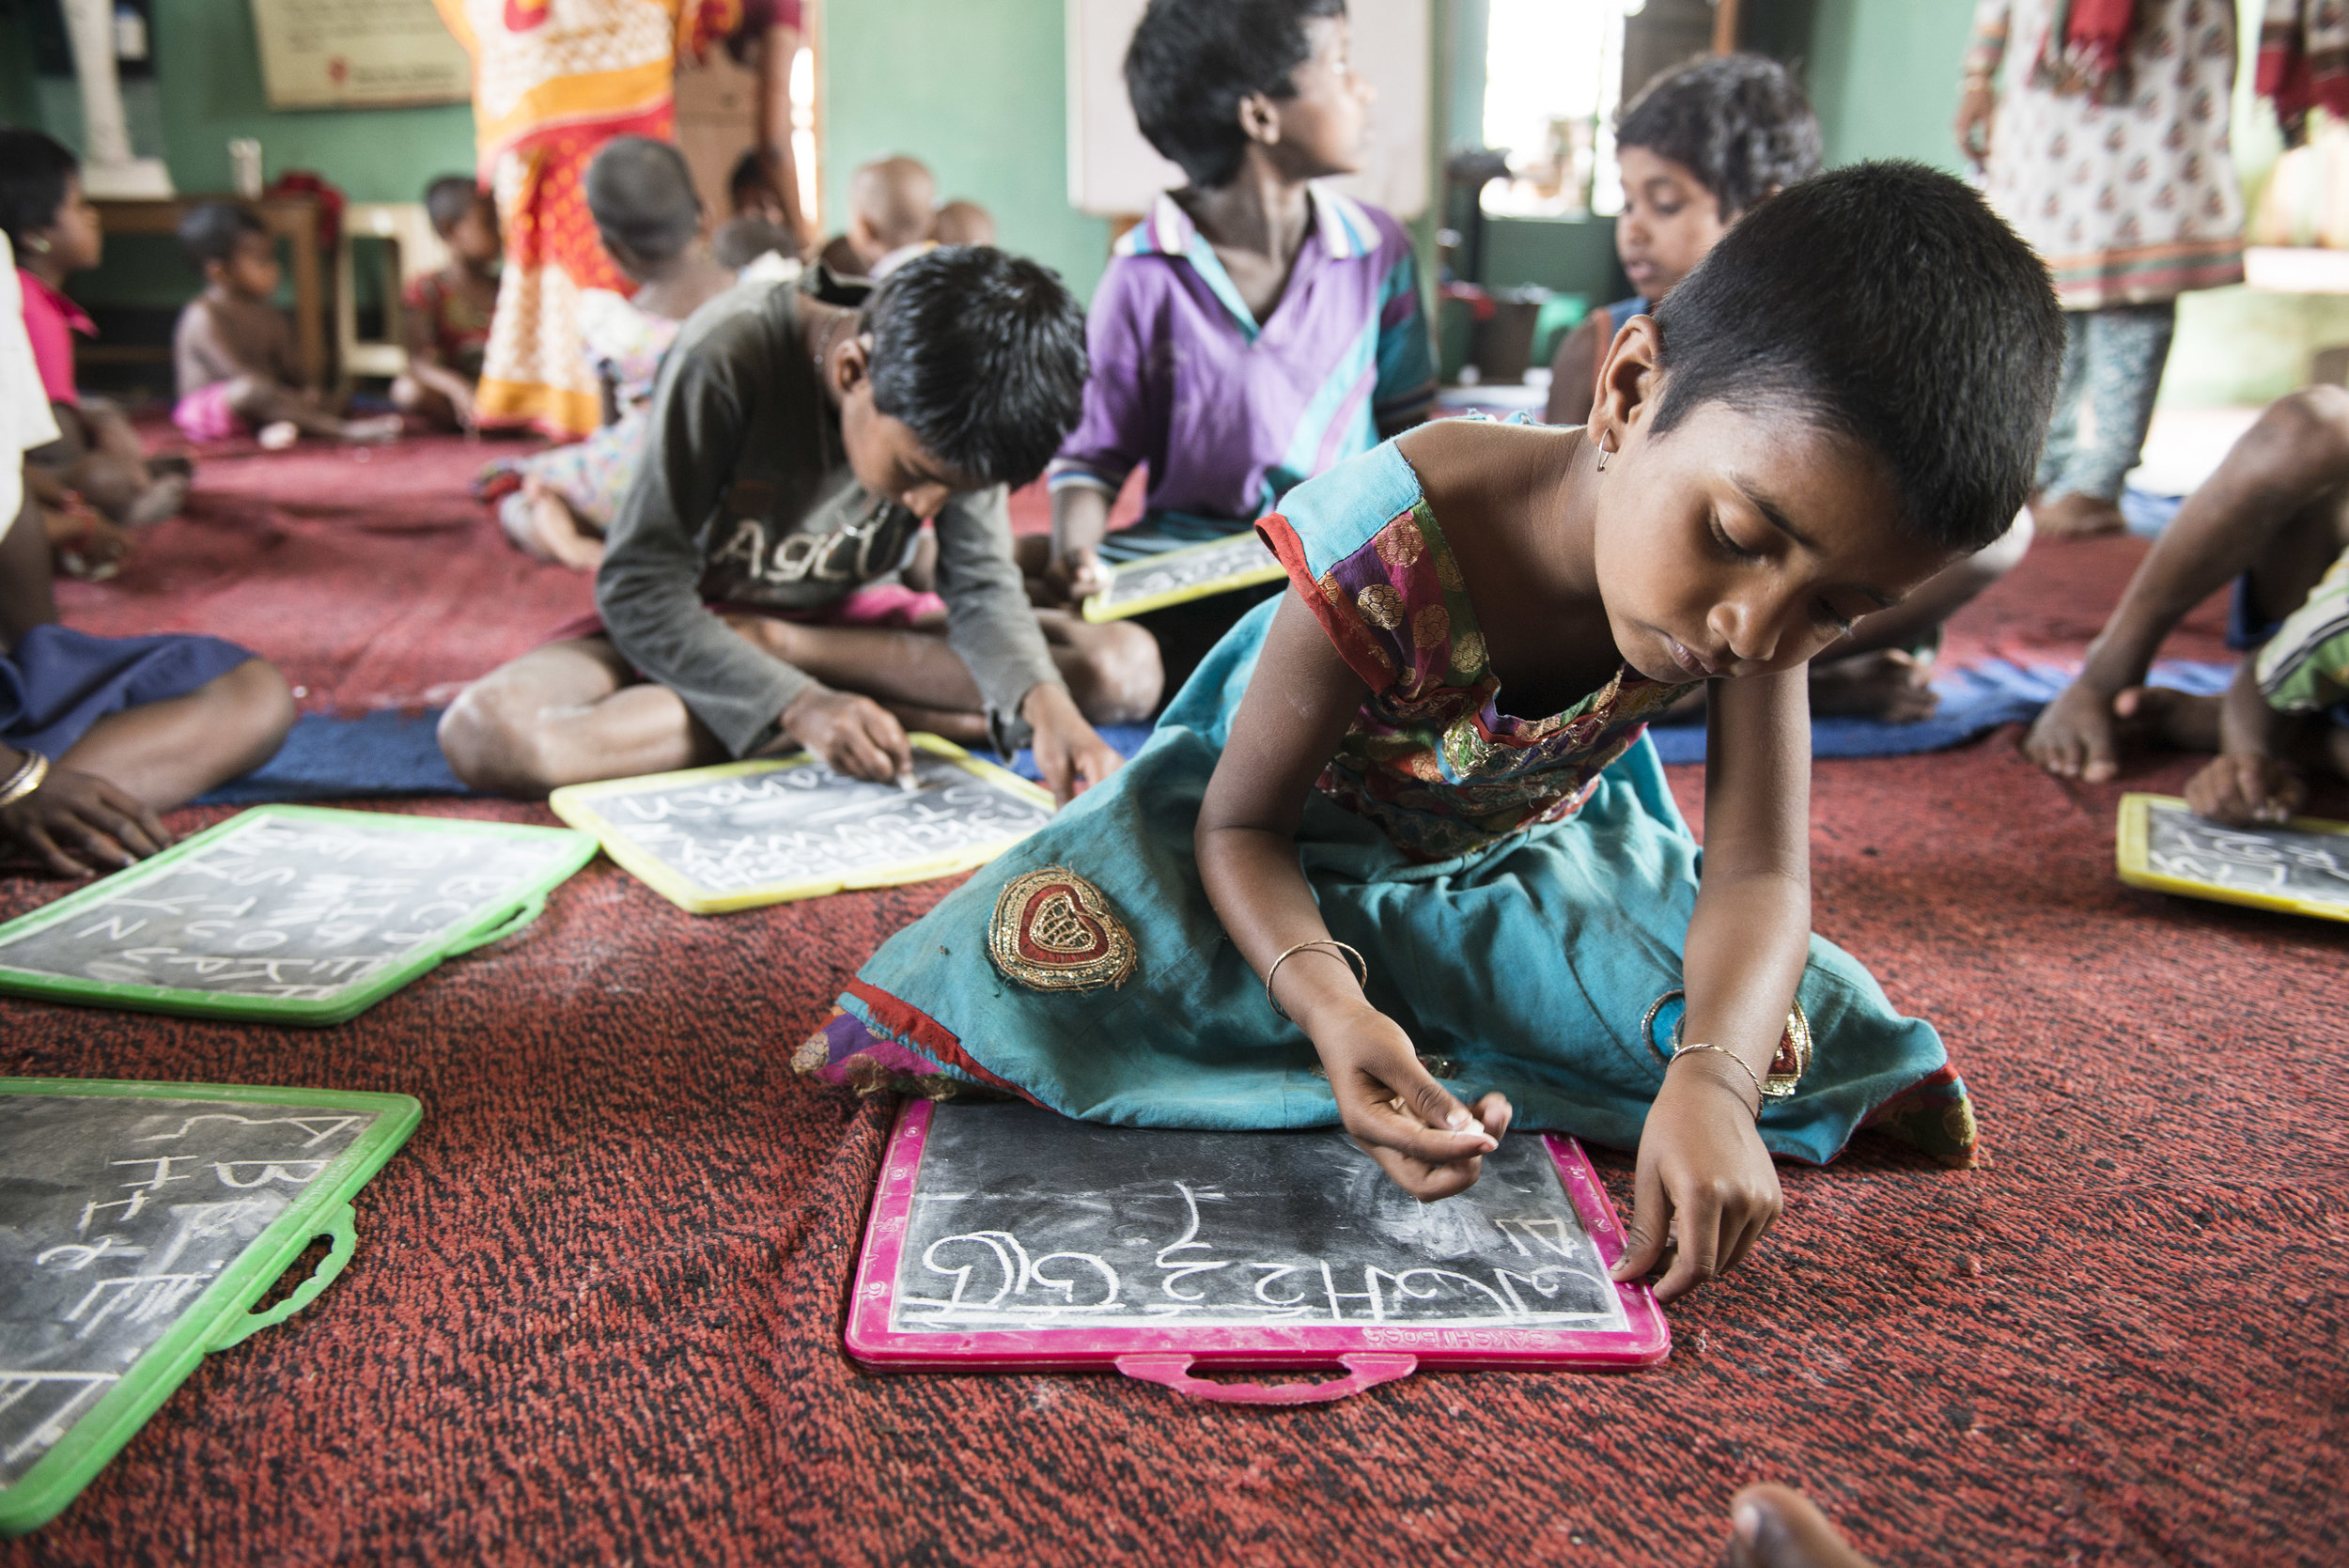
(28, 776)
(1724, 1050)
(1362, 970)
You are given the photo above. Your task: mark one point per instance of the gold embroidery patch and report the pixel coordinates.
(1381, 605)
(1054, 931)
(1431, 627)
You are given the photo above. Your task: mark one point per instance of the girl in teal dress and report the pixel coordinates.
(1400, 855)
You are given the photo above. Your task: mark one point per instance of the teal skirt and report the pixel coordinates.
(1526, 967)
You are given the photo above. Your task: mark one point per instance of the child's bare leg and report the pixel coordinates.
(1777, 1527)
(1112, 670)
(557, 530)
(567, 713)
(168, 752)
(264, 402)
(2276, 510)
(412, 397)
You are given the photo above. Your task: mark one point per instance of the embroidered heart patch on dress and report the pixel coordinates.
(1054, 931)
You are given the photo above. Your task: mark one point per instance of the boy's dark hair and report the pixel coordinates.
(641, 195)
(981, 355)
(211, 231)
(32, 170)
(1736, 121)
(448, 199)
(1887, 304)
(1192, 62)
(749, 173)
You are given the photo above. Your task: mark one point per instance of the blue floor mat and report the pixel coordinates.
(396, 753)
(1973, 701)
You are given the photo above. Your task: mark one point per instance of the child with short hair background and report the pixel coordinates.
(1700, 146)
(642, 199)
(233, 350)
(1254, 329)
(445, 314)
(751, 598)
(1411, 807)
(96, 458)
(893, 206)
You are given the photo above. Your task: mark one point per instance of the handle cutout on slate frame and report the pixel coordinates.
(1363, 1372)
(341, 1232)
(530, 911)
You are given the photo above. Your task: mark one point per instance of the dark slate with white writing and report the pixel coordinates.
(1024, 1219)
(116, 1215)
(2282, 863)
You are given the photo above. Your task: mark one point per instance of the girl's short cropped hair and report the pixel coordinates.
(32, 173)
(448, 199)
(981, 355)
(211, 231)
(641, 195)
(1192, 61)
(1886, 303)
(1737, 122)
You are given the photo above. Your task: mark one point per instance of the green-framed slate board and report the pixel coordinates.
(292, 914)
(139, 1223)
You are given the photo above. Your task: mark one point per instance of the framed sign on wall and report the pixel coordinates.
(358, 55)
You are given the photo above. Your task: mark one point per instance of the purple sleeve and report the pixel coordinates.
(1126, 395)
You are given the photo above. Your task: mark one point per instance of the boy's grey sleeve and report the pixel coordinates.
(989, 622)
(649, 589)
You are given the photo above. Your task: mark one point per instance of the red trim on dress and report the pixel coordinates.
(904, 1019)
(1365, 658)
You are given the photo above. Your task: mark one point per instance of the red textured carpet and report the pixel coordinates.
(595, 1315)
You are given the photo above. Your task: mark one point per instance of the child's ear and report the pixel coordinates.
(850, 363)
(1628, 379)
(1259, 121)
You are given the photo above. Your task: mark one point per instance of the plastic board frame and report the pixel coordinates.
(577, 805)
(223, 1315)
(2131, 855)
(1097, 608)
(529, 901)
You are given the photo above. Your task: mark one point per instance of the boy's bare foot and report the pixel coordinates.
(2072, 517)
(376, 428)
(2179, 719)
(1892, 685)
(160, 500)
(1776, 1526)
(278, 435)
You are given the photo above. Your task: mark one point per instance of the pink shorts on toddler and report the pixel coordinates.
(204, 414)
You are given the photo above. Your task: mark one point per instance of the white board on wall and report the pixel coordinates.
(1113, 172)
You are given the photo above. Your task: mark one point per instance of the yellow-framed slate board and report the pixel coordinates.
(2300, 867)
(1179, 576)
(741, 834)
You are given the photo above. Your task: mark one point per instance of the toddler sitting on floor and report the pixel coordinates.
(100, 734)
(445, 314)
(642, 199)
(233, 350)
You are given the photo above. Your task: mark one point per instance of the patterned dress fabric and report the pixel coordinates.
(623, 345)
(460, 328)
(2128, 203)
(1519, 890)
(553, 80)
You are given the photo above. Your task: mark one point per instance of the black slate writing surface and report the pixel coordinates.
(1022, 1218)
(2276, 863)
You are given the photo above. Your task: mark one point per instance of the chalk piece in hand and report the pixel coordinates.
(906, 783)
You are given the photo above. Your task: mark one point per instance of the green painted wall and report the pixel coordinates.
(975, 89)
(1883, 76)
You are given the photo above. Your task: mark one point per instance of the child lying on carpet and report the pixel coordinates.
(1843, 399)
(233, 350)
(1699, 145)
(1253, 329)
(2273, 521)
(749, 594)
(97, 457)
(445, 314)
(641, 196)
(97, 733)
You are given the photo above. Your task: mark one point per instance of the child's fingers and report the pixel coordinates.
(37, 838)
(1495, 1112)
(101, 824)
(1651, 1223)
(134, 822)
(1391, 1124)
(1426, 1182)
(890, 737)
(1756, 1226)
(1696, 1260)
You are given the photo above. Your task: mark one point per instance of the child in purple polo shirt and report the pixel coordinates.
(1253, 329)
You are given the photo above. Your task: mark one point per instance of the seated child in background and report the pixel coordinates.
(893, 203)
(753, 194)
(97, 456)
(1699, 145)
(445, 314)
(963, 223)
(100, 734)
(649, 220)
(233, 350)
(1415, 794)
(750, 596)
(740, 242)
(2273, 521)
(1253, 329)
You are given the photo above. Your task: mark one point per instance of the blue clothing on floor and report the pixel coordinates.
(56, 682)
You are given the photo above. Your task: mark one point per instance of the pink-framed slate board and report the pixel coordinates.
(1007, 1237)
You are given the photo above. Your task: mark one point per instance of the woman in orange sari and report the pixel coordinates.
(553, 80)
